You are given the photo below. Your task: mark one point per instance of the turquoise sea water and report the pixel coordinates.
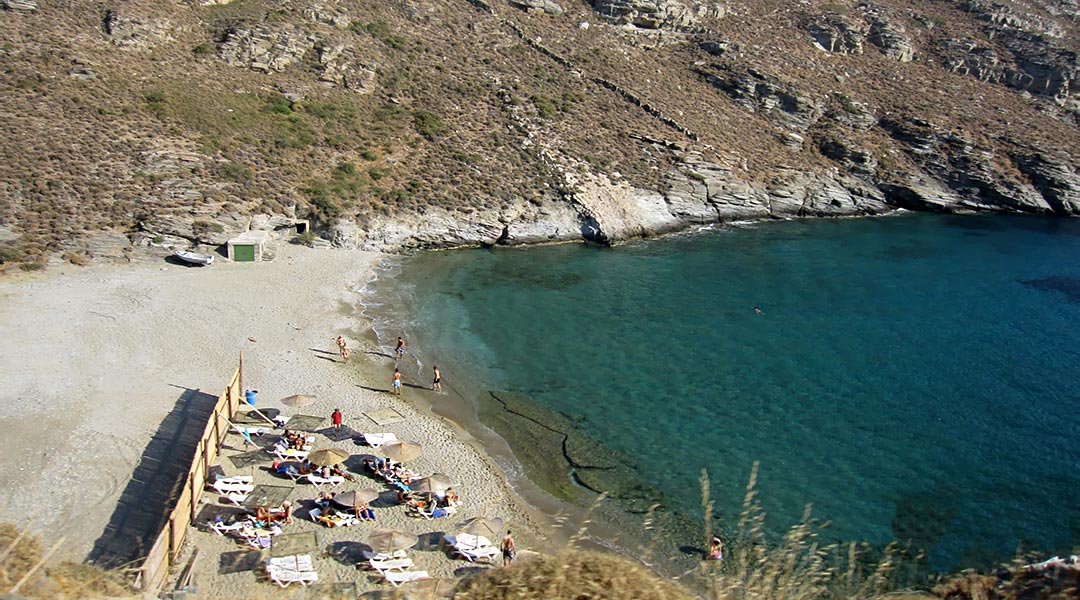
(914, 377)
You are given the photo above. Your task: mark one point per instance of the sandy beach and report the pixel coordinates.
(95, 357)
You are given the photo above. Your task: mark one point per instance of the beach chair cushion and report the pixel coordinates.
(283, 577)
(391, 564)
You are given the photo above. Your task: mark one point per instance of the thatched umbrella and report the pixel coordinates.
(328, 456)
(355, 498)
(433, 484)
(386, 541)
(401, 451)
(298, 400)
(489, 527)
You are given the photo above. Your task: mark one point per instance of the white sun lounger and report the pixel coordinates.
(290, 454)
(228, 487)
(471, 547)
(298, 562)
(223, 528)
(283, 577)
(317, 480)
(393, 564)
(378, 439)
(369, 555)
(397, 578)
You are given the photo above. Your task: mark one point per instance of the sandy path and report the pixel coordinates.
(95, 357)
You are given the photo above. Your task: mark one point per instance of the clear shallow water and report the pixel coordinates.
(912, 377)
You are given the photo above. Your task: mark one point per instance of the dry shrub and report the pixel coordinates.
(571, 575)
(21, 555)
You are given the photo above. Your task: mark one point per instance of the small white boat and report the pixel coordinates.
(193, 257)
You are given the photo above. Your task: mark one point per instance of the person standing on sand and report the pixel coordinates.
(509, 549)
(436, 385)
(335, 418)
(397, 382)
(399, 352)
(344, 353)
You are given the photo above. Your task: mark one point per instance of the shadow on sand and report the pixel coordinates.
(151, 493)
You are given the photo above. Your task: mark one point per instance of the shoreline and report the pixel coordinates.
(661, 541)
(106, 351)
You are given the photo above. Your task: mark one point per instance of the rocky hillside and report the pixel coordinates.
(396, 124)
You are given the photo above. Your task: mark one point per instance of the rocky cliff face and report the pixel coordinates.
(405, 125)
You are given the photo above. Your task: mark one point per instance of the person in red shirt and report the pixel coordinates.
(336, 419)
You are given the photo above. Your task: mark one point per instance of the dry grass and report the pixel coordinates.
(24, 570)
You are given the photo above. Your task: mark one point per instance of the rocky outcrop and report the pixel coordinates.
(342, 67)
(836, 33)
(966, 168)
(766, 95)
(334, 16)
(264, 49)
(888, 35)
(1035, 63)
(847, 155)
(546, 6)
(136, 33)
(670, 15)
(1055, 178)
(20, 5)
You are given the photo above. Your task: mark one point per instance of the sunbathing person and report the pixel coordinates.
(324, 499)
(339, 471)
(364, 513)
(451, 498)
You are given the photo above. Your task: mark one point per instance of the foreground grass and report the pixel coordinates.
(23, 571)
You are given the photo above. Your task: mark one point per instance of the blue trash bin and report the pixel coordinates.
(250, 396)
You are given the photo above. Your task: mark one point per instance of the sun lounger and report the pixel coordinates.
(221, 528)
(283, 577)
(471, 547)
(369, 555)
(317, 480)
(433, 513)
(248, 479)
(473, 554)
(290, 454)
(298, 562)
(392, 564)
(227, 487)
(378, 439)
(397, 578)
(236, 498)
(259, 542)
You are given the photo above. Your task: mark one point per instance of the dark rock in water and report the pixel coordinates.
(1070, 286)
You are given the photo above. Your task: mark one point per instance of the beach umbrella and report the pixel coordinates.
(354, 498)
(401, 451)
(489, 527)
(433, 484)
(328, 456)
(298, 400)
(385, 541)
(436, 588)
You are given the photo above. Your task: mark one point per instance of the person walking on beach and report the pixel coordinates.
(509, 549)
(344, 353)
(335, 418)
(397, 382)
(399, 352)
(436, 385)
